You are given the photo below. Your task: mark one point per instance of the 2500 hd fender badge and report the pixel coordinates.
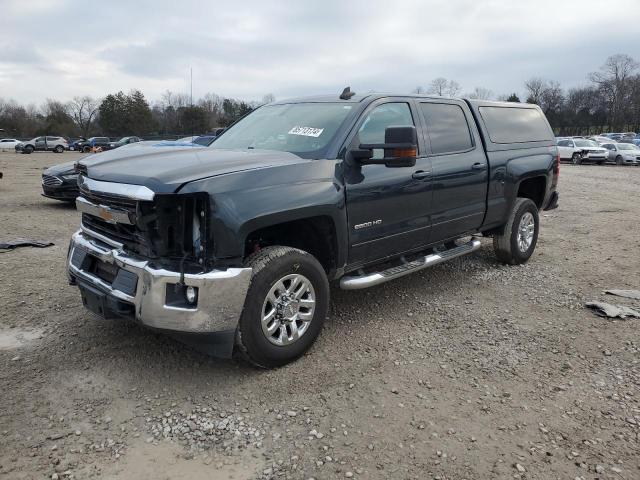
(367, 224)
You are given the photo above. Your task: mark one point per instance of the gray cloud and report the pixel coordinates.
(61, 48)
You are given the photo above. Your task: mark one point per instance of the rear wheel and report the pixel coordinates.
(58, 149)
(285, 308)
(576, 158)
(516, 243)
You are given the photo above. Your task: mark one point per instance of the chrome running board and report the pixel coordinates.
(356, 282)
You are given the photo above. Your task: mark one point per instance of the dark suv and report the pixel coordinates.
(104, 143)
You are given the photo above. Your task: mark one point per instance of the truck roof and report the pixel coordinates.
(374, 96)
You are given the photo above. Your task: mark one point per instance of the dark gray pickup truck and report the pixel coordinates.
(232, 246)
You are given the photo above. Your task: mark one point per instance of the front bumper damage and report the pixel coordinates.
(116, 284)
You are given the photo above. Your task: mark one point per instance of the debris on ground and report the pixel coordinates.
(612, 311)
(23, 242)
(633, 294)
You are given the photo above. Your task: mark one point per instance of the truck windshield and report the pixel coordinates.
(305, 129)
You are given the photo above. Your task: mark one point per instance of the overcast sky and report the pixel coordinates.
(248, 48)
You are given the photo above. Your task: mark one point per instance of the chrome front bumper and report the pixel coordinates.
(221, 293)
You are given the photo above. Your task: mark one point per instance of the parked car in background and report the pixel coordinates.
(9, 144)
(623, 153)
(45, 143)
(124, 141)
(74, 142)
(613, 136)
(60, 182)
(204, 140)
(636, 142)
(188, 139)
(600, 139)
(579, 150)
(94, 142)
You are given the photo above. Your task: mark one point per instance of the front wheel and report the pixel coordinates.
(619, 160)
(576, 158)
(28, 149)
(86, 149)
(516, 243)
(285, 308)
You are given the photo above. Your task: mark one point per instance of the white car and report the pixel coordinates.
(623, 153)
(9, 144)
(579, 150)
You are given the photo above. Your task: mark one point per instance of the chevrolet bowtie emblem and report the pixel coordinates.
(105, 214)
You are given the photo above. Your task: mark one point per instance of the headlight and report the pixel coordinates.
(73, 176)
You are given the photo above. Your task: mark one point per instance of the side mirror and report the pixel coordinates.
(400, 148)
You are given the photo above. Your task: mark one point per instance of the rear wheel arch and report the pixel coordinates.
(534, 188)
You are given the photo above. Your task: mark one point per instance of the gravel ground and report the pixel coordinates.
(468, 370)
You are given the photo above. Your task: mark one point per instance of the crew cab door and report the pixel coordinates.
(40, 143)
(460, 168)
(387, 207)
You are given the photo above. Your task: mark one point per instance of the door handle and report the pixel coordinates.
(479, 166)
(421, 175)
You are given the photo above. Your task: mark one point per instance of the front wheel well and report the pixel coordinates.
(315, 235)
(534, 189)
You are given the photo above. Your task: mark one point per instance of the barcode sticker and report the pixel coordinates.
(306, 131)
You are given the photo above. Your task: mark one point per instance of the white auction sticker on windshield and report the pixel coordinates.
(306, 131)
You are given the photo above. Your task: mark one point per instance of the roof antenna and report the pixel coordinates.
(347, 94)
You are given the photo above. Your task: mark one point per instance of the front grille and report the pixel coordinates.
(128, 235)
(51, 181)
(109, 200)
(116, 231)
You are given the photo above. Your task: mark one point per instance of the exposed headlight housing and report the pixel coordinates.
(71, 176)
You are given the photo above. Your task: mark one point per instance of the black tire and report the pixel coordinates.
(58, 149)
(86, 149)
(505, 244)
(269, 266)
(619, 160)
(28, 149)
(576, 158)
(600, 162)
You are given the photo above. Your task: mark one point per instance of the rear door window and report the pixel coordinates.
(515, 125)
(447, 128)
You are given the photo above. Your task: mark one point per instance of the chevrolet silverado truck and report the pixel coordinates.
(234, 245)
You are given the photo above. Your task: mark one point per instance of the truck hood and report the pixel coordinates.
(166, 169)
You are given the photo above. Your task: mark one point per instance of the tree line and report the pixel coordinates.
(610, 101)
(121, 114)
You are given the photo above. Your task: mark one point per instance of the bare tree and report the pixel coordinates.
(453, 89)
(418, 90)
(83, 111)
(552, 97)
(614, 82)
(444, 88)
(535, 86)
(480, 93)
(268, 98)
(438, 86)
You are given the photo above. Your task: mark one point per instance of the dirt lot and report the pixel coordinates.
(468, 370)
